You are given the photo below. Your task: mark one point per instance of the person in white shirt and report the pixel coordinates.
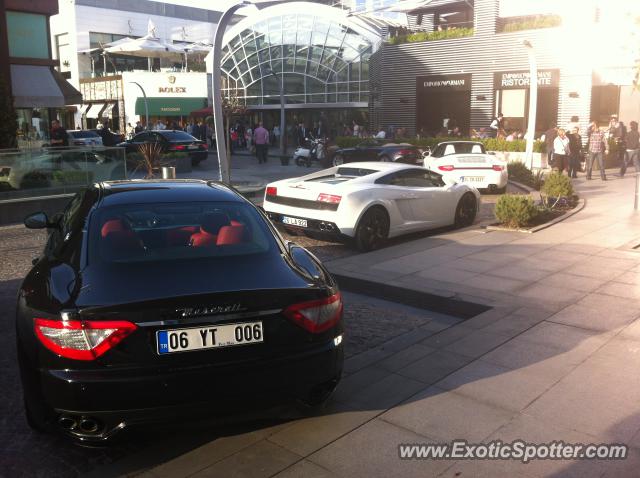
(561, 151)
(381, 134)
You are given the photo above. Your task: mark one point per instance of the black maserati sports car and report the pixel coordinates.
(158, 299)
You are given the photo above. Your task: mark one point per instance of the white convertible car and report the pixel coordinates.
(370, 202)
(468, 162)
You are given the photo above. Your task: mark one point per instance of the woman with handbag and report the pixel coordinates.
(561, 151)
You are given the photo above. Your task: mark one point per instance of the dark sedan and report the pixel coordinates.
(171, 141)
(378, 150)
(158, 300)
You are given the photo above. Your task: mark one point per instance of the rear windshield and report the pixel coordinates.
(174, 231)
(342, 175)
(84, 134)
(178, 136)
(458, 148)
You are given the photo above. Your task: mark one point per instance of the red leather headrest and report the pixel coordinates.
(112, 225)
(230, 235)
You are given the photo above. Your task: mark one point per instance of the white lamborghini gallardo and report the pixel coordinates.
(370, 202)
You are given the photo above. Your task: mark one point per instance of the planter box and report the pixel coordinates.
(539, 159)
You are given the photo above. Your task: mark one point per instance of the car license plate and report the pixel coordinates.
(209, 337)
(294, 221)
(472, 179)
(194, 147)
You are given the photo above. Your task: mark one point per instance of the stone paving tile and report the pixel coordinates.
(477, 344)
(629, 277)
(551, 266)
(413, 262)
(589, 250)
(472, 265)
(403, 358)
(598, 384)
(447, 336)
(434, 366)
(519, 272)
(512, 325)
(531, 430)
(489, 317)
(494, 283)
(620, 289)
(386, 393)
(446, 415)
(357, 381)
(309, 434)
(262, 459)
(445, 273)
(561, 280)
(372, 451)
(590, 269)
(546, 293)
(553, 255)
(305, 469)
(493, 256)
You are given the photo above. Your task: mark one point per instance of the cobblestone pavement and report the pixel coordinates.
(368, 323)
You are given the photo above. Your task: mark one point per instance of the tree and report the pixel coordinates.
(231, 106)
(8, 118)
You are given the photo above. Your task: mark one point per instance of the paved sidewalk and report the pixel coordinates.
(556, 358)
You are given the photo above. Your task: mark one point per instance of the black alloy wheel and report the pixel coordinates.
(373, 230)
(466, 211)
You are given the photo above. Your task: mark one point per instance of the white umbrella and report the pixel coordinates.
(198, 47)
(407, 6)
(148, 47)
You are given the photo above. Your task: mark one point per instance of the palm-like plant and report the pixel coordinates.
(150, 161)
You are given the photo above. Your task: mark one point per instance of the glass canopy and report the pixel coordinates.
(317, 59)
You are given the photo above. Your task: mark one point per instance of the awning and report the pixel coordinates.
(36, 86)
(170, 106)
(95, 110)
(84, 109)
(106, 112)
(208, 111)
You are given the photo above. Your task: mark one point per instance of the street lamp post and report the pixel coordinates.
(146, 104)
(282, 117)
(533, 102)
(216, 86)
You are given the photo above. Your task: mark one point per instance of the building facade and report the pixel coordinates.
(585, 60)
(84, 27)
(40, 93)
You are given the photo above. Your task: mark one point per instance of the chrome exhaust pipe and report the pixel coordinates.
(89, 425)
(67, 422)
(329, 227)
(322, 226)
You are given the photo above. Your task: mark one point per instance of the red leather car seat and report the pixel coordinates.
(119, 239)
(180, 236)
(211, 224)
(112, 225)
(230, 235)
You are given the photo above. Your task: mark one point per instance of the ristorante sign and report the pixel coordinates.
(506, 80)
(444, 82)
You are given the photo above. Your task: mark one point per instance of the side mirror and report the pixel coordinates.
(38, 220)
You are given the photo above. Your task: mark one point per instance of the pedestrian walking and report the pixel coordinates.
(59, 136)
(139, 128)
(496, 126)
(302, 135)
(632, 142)
(261, 138)
(597, 147)
(561, 151)
(575, 152)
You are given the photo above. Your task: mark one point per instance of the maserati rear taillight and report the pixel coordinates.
(446, 167)
(497, 167)
(316, 315)
(81, 339)
(330, 198)
(177, 147)
(407, 152)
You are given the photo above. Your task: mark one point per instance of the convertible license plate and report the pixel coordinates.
(294, 221)
(210, 337)
(472, 179)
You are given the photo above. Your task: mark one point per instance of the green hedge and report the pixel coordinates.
(431, 36)
(532, 23)
(491, 144)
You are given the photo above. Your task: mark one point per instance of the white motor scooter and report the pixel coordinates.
(304, 156)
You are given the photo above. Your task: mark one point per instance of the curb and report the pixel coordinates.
(580, 206)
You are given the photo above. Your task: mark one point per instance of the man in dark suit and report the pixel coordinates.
(302, 134)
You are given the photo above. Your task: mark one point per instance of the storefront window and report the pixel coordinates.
(27, 35)
(33, 124)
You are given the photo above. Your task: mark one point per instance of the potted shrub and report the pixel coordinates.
(557, 190)
(150, 160)
(514, 210)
